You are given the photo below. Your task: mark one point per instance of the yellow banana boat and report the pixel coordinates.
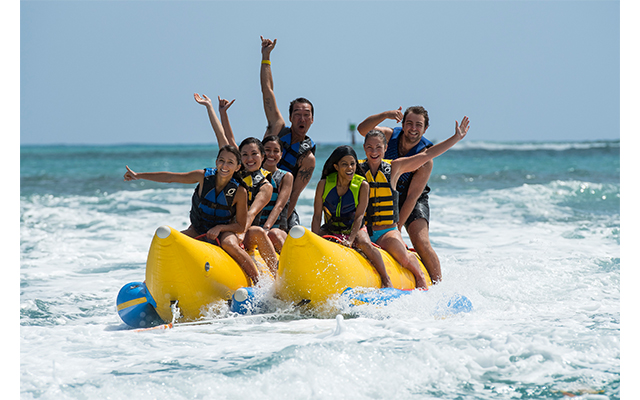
(313, 269)
(181, 269)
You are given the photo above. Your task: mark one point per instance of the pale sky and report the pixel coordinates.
(111, 72)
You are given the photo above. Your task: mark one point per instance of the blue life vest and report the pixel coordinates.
(393, 153)
(292, 152)
(340, 211)
(211, 208)
(281, 222)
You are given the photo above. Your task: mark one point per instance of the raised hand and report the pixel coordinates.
(267, 46)
(395, 114)
(224, 104)
(463, 128)
(204, 100)
(130, 175)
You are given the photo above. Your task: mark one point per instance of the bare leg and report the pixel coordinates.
(257, 237)
(230, 243)
(277, 237)
(419, 234)
(393, 243)
(190, 231)
(363, 242)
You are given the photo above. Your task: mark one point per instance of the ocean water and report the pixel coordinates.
(529, 232)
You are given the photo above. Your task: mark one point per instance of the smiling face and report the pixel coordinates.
(346, 167)
(301, 118)
(414, 126)
(251, 157)
(227, 164)
(273, 154)
(375, 147)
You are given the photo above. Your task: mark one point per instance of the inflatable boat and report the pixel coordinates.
(183, 274)
(186, 275)
(312, 269)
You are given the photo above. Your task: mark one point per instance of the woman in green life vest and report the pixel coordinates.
(343, 195)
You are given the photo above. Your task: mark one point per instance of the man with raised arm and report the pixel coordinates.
(298, 156)
(405, 141)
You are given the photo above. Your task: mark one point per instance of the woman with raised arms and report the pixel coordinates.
(343, 194)
(382, 175)
(260, 183)
(218, 204)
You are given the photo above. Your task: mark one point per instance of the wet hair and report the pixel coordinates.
(336, 156)
(297, 101)
(231, 149)
(376, 133)
(252, 140)
(417, 110)
(272, 138)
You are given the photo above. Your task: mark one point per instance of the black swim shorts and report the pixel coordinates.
(421, 210)
(293, 220)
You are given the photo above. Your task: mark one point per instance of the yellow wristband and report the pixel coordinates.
(266, 62)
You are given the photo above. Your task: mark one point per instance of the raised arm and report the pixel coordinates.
(307, 165)
(274, 118)
(196, 176)
(213, 118)
(223, 106)
(373, 121)
(284, 193)
(406, 164)
(317, 208)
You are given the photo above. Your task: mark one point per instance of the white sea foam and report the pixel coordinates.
(544, 283)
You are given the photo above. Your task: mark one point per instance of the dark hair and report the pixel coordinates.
(272, 138)
(336, 156)
(299, 100)
(374, 133)
(417, 110)
(231, 149)
(252, 140)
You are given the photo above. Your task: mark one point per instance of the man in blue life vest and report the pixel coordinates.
(298, 156)
(406, 141)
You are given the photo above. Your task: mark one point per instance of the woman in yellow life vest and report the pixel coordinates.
(382, 175)
(343, 194)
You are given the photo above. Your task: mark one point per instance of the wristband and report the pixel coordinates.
(266, 62)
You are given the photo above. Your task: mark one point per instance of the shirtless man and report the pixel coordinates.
(406, 141)
(298, 155)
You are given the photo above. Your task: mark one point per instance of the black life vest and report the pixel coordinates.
(281, 222)
(211, 208)
(291, 153)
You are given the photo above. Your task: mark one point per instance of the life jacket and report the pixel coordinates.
(393, 153)
(292, 152)
(281, 222)
(340, 211)
(254, 181)
(210, 208)
(383, 200)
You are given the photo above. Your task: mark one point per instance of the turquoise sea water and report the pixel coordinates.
(529, 232)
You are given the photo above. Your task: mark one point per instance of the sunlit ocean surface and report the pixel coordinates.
(529, 232)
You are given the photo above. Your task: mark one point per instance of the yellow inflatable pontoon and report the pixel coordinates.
(313, 269)
(193, 274)
(181, 269)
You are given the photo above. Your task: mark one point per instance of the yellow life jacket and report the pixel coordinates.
(383, 200)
